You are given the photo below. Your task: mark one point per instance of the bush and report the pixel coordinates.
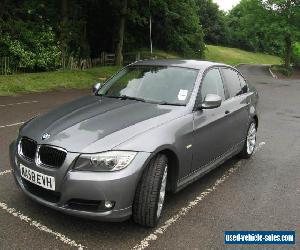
(35, 51)
(283, 70)
(296, 54)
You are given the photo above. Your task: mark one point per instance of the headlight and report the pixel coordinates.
(107, 161)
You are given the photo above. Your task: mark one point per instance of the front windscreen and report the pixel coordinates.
(160, 84)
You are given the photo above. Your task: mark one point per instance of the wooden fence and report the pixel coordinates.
(5, 66)
(72, 63)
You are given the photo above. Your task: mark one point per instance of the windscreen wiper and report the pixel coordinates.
(125, 97)
(109, 96)
(170, 103)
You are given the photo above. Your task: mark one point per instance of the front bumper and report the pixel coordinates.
(118, 187)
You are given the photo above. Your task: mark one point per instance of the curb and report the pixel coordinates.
(272, 74)
(257, 64)
(240, 64)
(269, 67)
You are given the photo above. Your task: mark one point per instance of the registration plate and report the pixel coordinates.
(42, 180)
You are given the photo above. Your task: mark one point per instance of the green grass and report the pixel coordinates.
(231, 56)
(159, 54)
(38, 82)
(235, 56)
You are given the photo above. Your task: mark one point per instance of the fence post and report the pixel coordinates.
(103, 58)
(138, 56)
(5, 65)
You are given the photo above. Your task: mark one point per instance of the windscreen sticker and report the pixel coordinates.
(182, 94)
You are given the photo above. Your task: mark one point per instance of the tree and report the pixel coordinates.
(64, 31)
(176, 27)
(121, 31)
(27, 36)
(43, 35)
(270, 26)
(249, 28)
(286, 15)
(212, 20)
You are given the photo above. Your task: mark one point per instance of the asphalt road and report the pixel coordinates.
(262, 193)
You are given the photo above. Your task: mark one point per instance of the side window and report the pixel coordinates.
(232, 82)
(244, 85)
(212, 84)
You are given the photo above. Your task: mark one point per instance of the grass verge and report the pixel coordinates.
(283, 73)
(45, 81)
(233, 56)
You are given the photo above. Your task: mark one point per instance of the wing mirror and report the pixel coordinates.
(211, 101)
(96, 87)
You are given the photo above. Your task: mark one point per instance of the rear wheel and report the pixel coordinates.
(150, 193)
(250, 143)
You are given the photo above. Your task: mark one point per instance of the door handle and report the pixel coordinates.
(227, 112)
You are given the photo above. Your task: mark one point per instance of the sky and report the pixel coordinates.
(226, 4)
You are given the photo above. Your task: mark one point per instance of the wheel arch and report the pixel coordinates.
(173, 165)
(173, 168)
(255, 117)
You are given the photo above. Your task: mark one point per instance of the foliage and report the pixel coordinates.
(32, 51)
(212, 21)
(265, 25)
(296, 54)
(40, 35)
(27, 38)
(285, 16)
(249, 30)
(283, 70)
(175, 26)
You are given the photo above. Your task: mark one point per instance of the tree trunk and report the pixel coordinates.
(121, 31)
(63, 32)
(288, 51)
(84, 43)
(2, 8)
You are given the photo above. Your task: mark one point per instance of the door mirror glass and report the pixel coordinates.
(96, 87)
(211, 101)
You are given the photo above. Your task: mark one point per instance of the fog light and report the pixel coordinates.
(108, 204)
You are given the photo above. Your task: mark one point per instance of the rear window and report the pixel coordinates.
(244, 85)
(232, 82)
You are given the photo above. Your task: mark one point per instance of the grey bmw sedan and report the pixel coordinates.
(155, 126)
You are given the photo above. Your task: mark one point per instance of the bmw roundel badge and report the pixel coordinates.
(45, 136)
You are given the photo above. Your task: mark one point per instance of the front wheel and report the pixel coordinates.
(250, 143)
(150, 193)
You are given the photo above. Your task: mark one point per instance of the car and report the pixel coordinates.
(154, 127)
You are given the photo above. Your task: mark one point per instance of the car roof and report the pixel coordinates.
(193, 64)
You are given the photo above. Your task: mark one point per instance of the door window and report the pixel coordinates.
(232, 82)
(212, 84)
(244, 85)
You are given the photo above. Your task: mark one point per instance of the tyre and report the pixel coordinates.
(150, 192)
(250, 142)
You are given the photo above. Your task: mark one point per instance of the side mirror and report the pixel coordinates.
(96, 87)
(211, 101)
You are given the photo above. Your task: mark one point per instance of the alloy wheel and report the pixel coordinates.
(162, 192)
(251, 139)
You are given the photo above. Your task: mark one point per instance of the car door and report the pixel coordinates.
(237, 106)
(210, 125)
